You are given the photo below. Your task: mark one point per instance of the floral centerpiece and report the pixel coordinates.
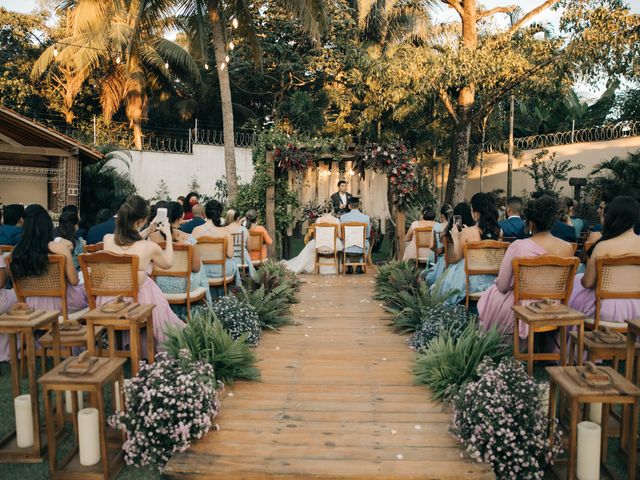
(398, 162)
(168, 404)
(311, 211)
(500, 421)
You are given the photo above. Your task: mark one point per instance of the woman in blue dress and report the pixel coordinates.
(198, 276)
(484, 227)
(234, 226)
(432, 272)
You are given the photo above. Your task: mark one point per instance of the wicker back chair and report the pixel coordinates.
(326, 235)
(449, 251)
(238, 249)
(96, 247)
(545, 276)
(613, 274)
(351, 232)
(256, 241)
(213, 251)
(110, 275)
(6, 249)
(424, 239)
(482, 258)
(181, 268)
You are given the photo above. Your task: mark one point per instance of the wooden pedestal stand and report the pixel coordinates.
(23, 323)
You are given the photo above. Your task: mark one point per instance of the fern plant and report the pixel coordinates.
(273, 309)
(206, 340)
(449, 363)
(396, 277)
(272, 275)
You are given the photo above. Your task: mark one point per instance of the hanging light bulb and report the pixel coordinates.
(231, 46)
(166, 65)
(226, 59)
(206, 66)
(222, 66)
(234, 22)
(55, 51)
(118, 60)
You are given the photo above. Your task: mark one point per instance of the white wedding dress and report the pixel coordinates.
(306, 259)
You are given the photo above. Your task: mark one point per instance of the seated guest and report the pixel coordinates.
(618, 238)
(7, 299)
(198, 219)
(180, 200)
(127, 240)
(106, 226)
(68, 230)
(170, 284)
(446, 212)
(605, 198)
(578, 223)
(513, 226)
(411, 252)
(213, 228)
(191, 200)
(251, 223)
(494, 306)
(233, 222)
(305, 262)
(486, 227)
(563, 228)
(11, 229)
(30, 259)
(355, 215)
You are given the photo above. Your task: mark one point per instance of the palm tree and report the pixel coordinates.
(207, 23)
(122, 40)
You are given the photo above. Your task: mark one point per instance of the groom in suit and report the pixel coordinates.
(340, 199)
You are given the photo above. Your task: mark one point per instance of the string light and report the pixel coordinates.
(206, 66)
(118, 60)
(166, 65)
(222, 66)
(234, 22)
(231, 46)
(226, 59)
(55, 51)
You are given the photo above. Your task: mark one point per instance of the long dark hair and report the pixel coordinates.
(67, 224)
(485, 205)
(131, 212)
(621, 215)
(252, 218)
(30, 256)
(213, 211)
(542, 211)
(464, 210)
(187, 201)
(446, 211)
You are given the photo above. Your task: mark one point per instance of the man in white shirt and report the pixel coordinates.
(340, 199)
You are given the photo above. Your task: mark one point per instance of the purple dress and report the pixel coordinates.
(494, 306)
(76, 300)
(611, 309)
(7, 299)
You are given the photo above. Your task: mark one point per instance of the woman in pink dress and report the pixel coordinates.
(494, 306)
(128, 240)
(7, 299)
(30, 259)
(618, 238)
(411, 251)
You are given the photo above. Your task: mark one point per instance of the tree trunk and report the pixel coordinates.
(134, 111)
(457, 178)
(220, 51)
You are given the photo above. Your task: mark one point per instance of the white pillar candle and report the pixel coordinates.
(24, 421)
(116, 389)
(67, 401)
(89, 436)
(588, 451)
(595, 413)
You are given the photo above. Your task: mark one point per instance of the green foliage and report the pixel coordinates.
(449, 363)
(272, 307)
(547, 173)
(617, 175)
(206, 339)
(273, 275)
(394, 277)
(162, 192)
(441, 317)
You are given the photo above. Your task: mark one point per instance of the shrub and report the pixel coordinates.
(168, 404)
(206, 340)
(273, 275)
(410, 307)
(238, 319)
(272, 307)
(449, 363)
(396, 277)
(499, 419)
(441, 317)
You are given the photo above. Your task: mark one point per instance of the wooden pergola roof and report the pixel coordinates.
(26, 143)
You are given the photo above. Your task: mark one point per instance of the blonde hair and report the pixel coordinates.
(231, 217)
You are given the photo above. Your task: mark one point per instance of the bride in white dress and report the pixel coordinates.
(305, 261)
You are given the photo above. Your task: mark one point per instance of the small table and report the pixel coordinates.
(109, 371)
(14, 325)
(134, 318)
(535, 320)
(622, 392)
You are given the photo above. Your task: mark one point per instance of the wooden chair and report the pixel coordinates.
(423, 238)
(449, 252)
(96, 247)
(326, 245)
(354, 234)
(213, 251)
(181, 268)
(538, 278)
(482, 258)
(574, 245)
(6, 249)
(256, 241)
(238, 250)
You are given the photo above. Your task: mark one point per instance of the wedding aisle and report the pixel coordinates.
(336, 401)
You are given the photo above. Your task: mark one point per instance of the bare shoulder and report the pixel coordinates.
(60, 248)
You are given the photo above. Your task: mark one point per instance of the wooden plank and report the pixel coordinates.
(30, 151)
(336, 401)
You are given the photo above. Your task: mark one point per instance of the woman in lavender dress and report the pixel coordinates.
(494, 306)
(30, 259)
(7, 299)
(618, 238)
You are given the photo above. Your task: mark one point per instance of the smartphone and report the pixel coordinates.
(161, 216)
(457, 221)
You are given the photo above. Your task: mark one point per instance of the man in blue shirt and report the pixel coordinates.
(513, 225)
(355, 215)
(11, 230)
(196, 221)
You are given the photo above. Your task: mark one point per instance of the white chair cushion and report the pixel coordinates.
(215, 282)
(619, 326)
(174, 297)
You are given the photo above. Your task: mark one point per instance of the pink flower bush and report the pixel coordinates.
(168, 404)
(499, 419)
(398, 162)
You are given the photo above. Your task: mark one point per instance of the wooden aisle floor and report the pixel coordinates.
(336, 401)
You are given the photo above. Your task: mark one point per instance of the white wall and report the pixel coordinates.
(19, 191)
(587, 154)
(206, 163)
